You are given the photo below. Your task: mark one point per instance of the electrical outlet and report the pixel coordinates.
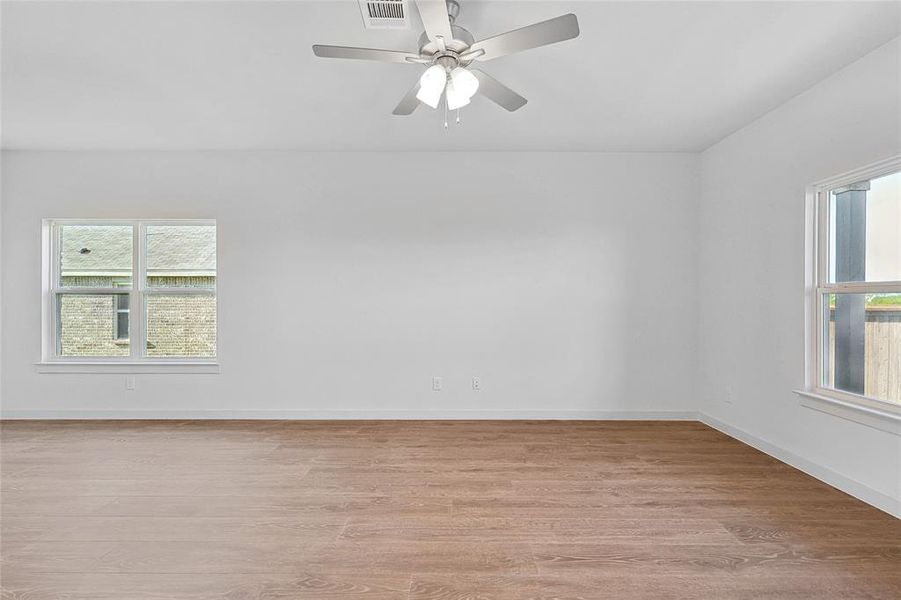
(436, 384)
(129, 382)
(477, 383)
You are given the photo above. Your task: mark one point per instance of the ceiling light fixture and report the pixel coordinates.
(461, 88)
(450, 52)
(455, 99)
(431, 85)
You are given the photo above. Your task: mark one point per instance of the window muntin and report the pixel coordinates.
(858, 288)
(115, 285)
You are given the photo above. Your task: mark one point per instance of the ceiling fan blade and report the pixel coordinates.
(435, 19)
(408, 103)
(547, 32)
(392, 56)
(497, 92)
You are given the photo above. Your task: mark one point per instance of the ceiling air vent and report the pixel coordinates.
(385, 14)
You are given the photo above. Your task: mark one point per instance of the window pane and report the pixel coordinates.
(122, 326)
(95, 255)
(122, 303)
(862, 338)
(88, 325)
(865, 231)
(181, 325)
(181, 256)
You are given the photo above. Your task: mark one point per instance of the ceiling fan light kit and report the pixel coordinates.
(431, 85)
(449, 51)
(464, 86)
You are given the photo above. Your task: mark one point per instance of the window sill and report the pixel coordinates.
(127, 367)
(884, 420)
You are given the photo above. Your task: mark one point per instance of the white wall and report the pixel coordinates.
(751, 319)
(565, 281)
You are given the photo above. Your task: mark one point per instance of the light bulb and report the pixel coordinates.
(464, 82)
(431, 84)
(455, 99)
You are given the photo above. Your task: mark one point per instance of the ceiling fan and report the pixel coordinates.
(449, 51)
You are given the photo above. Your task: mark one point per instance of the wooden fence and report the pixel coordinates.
(882, 352)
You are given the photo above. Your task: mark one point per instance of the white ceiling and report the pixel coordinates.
(643, 76)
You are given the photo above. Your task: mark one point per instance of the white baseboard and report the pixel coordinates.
(854, 488)
(351, 415)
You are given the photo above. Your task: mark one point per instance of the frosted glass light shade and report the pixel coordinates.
(431, 85)
(455, 98)
(464, 82)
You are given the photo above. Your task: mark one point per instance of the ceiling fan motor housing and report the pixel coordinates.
(461, 42)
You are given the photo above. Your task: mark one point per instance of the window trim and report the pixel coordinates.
(137, 360)
(814, 395)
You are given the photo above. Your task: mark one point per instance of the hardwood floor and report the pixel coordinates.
(415, 510)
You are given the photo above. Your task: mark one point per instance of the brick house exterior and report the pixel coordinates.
(179, 256)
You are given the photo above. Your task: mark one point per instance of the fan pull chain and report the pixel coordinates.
(445, 115)
(458, 116)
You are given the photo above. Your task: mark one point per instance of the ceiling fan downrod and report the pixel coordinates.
(453, 10)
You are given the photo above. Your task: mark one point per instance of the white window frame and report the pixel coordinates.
(137, 361)
(871, 411)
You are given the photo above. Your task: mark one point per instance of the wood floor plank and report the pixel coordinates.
(151, 529)
(323, 507)
(196, 510)
(169, 586)
(704, 558)
(453, 529)
(718, 586)
(51, 557)
(423, 556)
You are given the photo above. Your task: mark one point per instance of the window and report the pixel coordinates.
(122, 315)
(856, 299)
(135, 291)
